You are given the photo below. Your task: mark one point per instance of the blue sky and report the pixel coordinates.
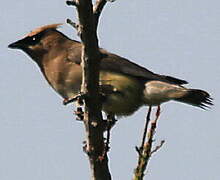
(40, 138)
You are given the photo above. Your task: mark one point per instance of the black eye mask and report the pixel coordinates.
(33, 40)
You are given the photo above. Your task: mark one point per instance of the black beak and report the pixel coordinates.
(16, 45)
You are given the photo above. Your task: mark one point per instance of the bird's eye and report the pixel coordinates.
(34, 38)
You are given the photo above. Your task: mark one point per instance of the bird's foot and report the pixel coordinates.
(107, 125)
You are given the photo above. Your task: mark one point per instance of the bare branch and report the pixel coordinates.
(95, 145)
(145, 151)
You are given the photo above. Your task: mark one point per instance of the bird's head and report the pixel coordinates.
(40, 41)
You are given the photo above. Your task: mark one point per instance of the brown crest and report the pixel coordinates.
(43, 28)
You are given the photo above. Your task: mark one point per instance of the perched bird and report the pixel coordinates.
(132, 86)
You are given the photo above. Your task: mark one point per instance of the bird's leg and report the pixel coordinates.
(158, 112)
(112, 121)
(109, 123)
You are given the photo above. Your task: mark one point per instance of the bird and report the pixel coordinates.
(126, 86)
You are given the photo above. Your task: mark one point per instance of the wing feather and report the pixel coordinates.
(114, 63)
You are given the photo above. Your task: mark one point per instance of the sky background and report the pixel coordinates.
(39, 137)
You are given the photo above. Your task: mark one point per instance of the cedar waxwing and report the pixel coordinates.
(132, 86)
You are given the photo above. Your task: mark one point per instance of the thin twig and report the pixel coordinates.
(97, 10)
(74, 25)
(145, 151)
(158, 147)
(98, 7)
(138, 150)
(72, 3)
(145, 128)
(79, 97)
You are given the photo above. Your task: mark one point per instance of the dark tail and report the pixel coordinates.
(197, 97)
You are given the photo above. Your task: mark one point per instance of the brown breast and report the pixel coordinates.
(63, 75)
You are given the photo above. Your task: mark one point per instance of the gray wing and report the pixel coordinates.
(114, 63)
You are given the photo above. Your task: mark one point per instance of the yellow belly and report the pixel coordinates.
(127, 97)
